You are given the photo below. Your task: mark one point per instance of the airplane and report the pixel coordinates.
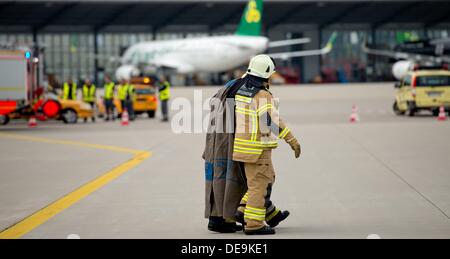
(407, 59)
(211, 54)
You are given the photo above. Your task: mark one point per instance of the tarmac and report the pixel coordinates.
(386, 176)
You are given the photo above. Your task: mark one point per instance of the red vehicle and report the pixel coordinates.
(20, 94)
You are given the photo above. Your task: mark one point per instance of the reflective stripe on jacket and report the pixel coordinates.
(257, 125)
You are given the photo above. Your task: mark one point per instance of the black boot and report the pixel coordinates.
(280, 216)
(240, 217)
(266, 230)
(218, 224)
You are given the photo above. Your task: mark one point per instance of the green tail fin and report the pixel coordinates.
(251, 19)
(332, 39)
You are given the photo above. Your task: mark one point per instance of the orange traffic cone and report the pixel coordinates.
(32, 122)
(442, 115)
(125, 118)
(354, 116)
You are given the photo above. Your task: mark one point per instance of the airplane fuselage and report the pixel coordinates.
(209, 54)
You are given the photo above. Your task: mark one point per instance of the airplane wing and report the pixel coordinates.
(305, 53)
(404, 55)
(272, 44)
(282, 43)
(443, 41)
(440, 45)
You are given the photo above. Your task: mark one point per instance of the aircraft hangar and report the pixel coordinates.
(75, 31)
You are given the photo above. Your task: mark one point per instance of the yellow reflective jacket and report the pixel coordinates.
(69, 92)
(89, 93)
(164, 91)
(258, 124)
(125, 92)
(109, 91)
(122, 92)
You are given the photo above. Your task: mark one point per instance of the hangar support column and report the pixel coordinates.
(312, 65)
(96, 68)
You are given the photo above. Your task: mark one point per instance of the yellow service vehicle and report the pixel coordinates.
(145, 100)
(423, 89)
(72, 110)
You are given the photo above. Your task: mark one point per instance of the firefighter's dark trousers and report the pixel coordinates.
(258, 205)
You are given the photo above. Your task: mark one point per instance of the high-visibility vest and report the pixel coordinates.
(109, 91)
(126, 92)
(164, 91)
(122, 92)
(70, 92)
(130, 92)
(89, 93)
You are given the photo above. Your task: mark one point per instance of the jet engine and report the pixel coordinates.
(126, 72)
(401, 68)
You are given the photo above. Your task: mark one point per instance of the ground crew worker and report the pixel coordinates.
(108, 98)
(126, 97)
(257, 122)
(130, 100)
(69, 90)
(89, 96)
(122, 94)
(164, 96)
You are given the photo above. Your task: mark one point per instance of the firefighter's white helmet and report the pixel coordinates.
(261, 66)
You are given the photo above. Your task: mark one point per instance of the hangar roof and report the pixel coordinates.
(157, 14)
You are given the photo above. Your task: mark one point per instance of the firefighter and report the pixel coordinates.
(69, 90)
(89, 96)
(164, 96)
(257, 124)
(109, 87)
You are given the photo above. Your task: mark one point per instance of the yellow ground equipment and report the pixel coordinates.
(72, 110)
(423, 89)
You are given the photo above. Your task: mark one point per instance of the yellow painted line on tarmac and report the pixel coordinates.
(13, 89)
(38, 218)
(71, 143)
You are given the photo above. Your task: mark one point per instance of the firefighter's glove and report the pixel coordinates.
(295, 146)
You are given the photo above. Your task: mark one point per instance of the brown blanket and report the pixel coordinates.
(225, 179)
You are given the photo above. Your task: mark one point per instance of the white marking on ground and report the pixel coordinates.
(73, 236)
